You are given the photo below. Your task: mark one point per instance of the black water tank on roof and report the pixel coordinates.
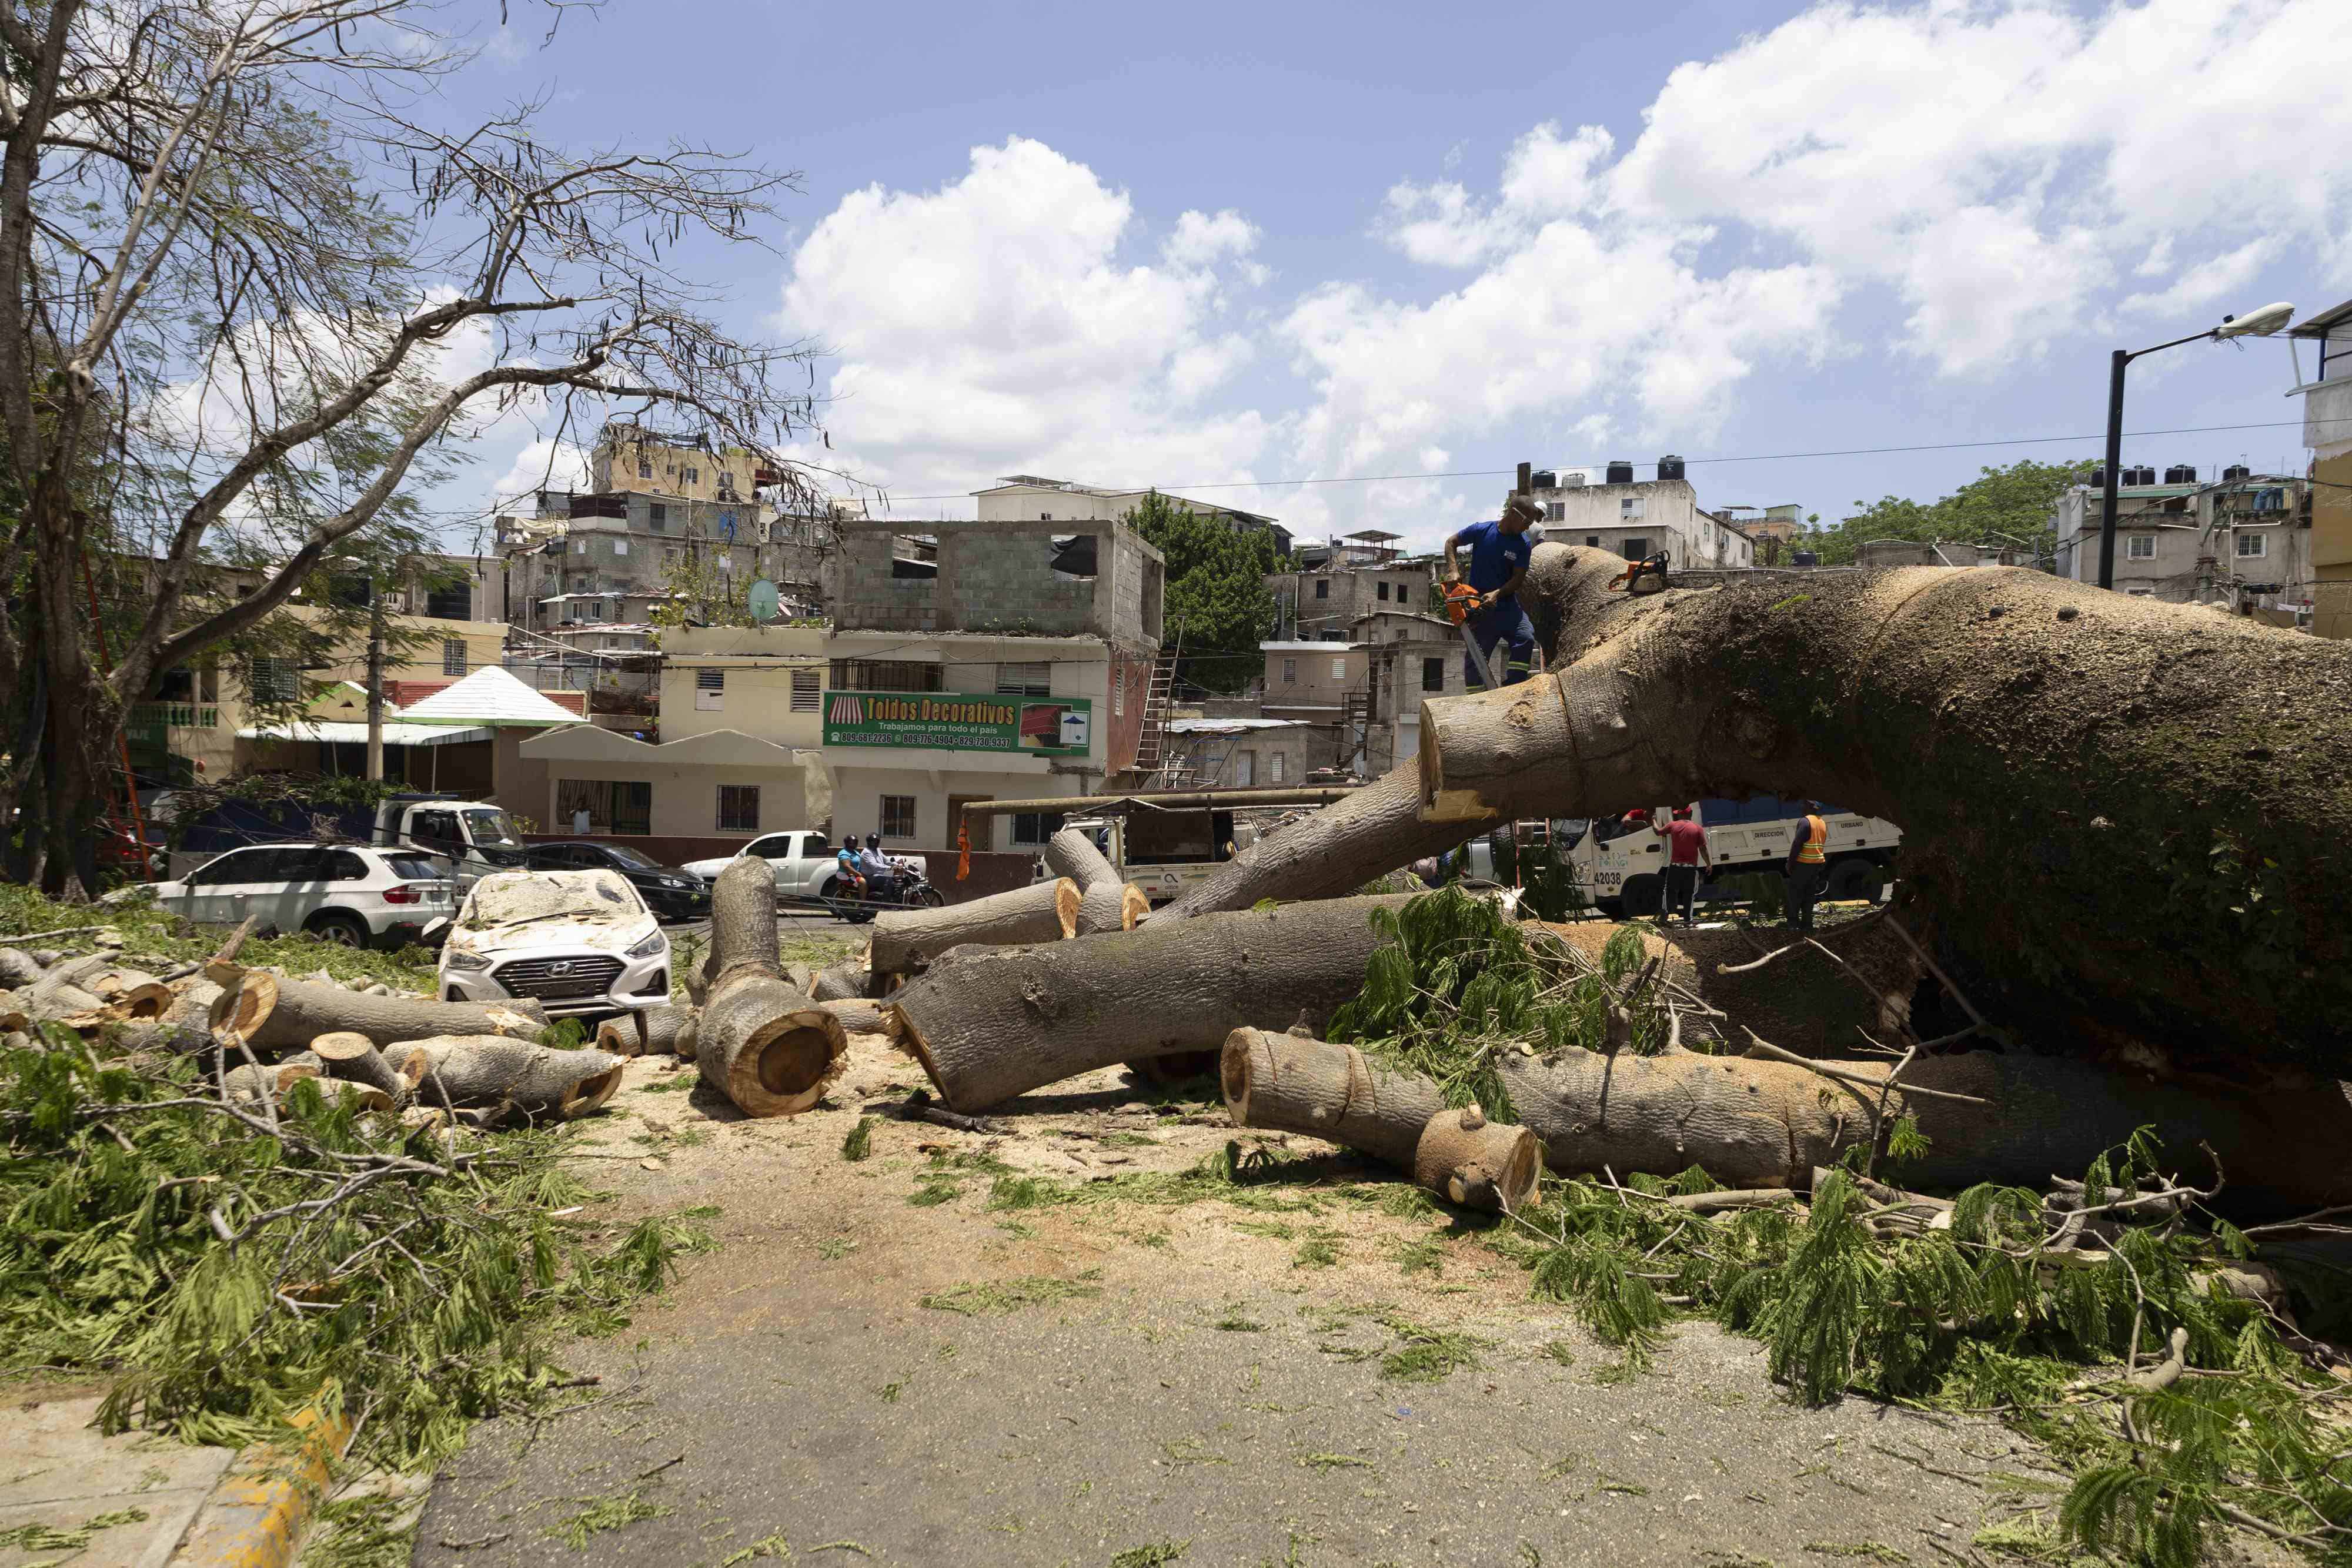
(2180, 474)
(2237, 471)
(1544, 479)
(1619, 473)
(2098, 479)
(1805, 557)
(2139, 475)
(1670, 467)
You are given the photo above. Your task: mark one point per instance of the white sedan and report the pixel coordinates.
(578, 941)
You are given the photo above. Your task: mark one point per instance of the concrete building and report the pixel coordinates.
(1363, 698)
(2328, 431)
(1640, 517)
(1243, 753)
(1033, 499)
(1326, 604)
(2244, 540)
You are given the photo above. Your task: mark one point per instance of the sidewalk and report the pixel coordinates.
(132, 1497)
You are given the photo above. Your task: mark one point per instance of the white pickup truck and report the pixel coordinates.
(803, 861)
(1622, 870)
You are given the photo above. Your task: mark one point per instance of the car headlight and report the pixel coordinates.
(649, 946)
(452, 959)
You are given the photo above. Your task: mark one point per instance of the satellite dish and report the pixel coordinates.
(765, 602)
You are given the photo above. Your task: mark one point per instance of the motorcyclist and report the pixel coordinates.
(881, 871)
(853, 879)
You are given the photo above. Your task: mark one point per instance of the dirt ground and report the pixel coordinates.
(877, 1362)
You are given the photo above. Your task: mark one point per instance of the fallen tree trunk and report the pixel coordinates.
(273, 1015)
(1474, 1163)
(858, 1016)
(1328, 854)
(506, 1075)
(2060, 760)
(1296, 1084)
(669, 1031)
(1767, 1124)
(1099, 900)
(841, 983)
(761, 1041)
(990, 1023)
(354, 1059)
(905, 940)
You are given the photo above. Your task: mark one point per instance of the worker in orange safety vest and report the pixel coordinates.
(1808, 867)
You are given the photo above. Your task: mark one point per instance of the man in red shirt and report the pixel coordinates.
(1687, 851)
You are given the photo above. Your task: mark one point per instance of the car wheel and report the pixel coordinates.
(1642, 895)
(342, 930)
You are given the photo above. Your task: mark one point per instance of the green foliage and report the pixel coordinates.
(1217, 602)
(2019, 502)
(1424, 1355)
(604, 1514)
(998, 1298)
(110, 1258)
(148, 932)
(858, 1141)
(1459, 981)
(1156, 1554)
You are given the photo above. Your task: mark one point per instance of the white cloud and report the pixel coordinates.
(991, 325)
(542, 464)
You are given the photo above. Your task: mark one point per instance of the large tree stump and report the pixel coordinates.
(761, 1041)
(508, 1075)
(905, 940)
(1096, 900)
(273, 1015)
(990, 1023)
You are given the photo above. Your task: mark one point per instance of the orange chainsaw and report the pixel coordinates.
(1460, 598)
(1645, 576)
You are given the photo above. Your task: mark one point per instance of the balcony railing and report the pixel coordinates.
(174, 716)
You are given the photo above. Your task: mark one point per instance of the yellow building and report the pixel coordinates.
(2328, 431)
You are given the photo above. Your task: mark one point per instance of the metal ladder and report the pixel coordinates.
(1152, 756)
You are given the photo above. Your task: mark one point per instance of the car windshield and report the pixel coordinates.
(491, 829)
(629, 858)
(508, 898)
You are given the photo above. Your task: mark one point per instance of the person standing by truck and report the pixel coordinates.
(1686, 849)
(1807, 866)
(1499, 553)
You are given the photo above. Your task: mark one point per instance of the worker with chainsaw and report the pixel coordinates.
(1499, 553)
(1808, 867)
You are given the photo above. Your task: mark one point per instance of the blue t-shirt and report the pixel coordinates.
(1494, 555)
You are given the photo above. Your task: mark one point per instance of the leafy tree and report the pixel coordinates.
(700, 594)
(2000, 506)
(1217, 601)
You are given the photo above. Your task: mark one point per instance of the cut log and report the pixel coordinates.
(17, 969)
(274, 1015)
(353, 1059)
(506, 1075)
(1328, 854)
(906, 940)
(2013, 724)
(1101, 902)
(761, 1041)
(841, 983)
(669, 1031)
(1753, 1123)
(266, 1082)
(990, 1023)
(1474, 1163)
(858, 1016)
(1295, 1083)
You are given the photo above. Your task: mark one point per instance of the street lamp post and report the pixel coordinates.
(2259, 323)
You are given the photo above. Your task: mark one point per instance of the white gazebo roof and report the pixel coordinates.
(489, 696)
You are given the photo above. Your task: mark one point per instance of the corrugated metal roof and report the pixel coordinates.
(491, 697)
(345, 732)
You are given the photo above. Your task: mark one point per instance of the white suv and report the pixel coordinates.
(579, 941)
(353, 894)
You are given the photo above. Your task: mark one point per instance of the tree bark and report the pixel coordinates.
(506, 1075)
(353, 1059)
(1098, 901)
(1328, 854)
(1474, 1163)
(1762, 1123)
(858, 1016)
(1296, 1084)
(2068, 766)
(905, 940)
(274, 1015)
(992, 1023)
(842, 982)
(669, 1031)
(761, 1041)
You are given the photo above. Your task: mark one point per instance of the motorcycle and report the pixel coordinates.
(906, 887)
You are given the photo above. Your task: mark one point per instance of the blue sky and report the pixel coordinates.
(1248, 244)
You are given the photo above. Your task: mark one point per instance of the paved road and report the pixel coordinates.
(1203, 1386)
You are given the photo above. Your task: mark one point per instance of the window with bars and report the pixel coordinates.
(2139, 546)
(273, 680)
(886, 676)
(612, 805)
(1036, 827)
(897, 816)
(808, 690)
(2253, 545)
(1027, 680)
(739, 807)
(453, 656)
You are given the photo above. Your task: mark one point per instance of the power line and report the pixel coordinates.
(1743, 457)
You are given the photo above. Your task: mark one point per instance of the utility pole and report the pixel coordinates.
(376, 684)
